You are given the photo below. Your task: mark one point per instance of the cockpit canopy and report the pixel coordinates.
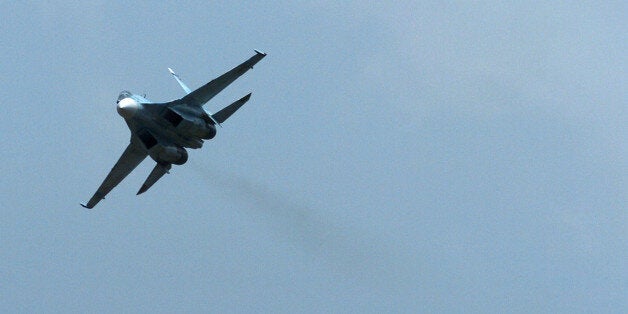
(124, 94)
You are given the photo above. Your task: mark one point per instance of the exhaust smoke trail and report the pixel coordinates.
(295, 220)
(355, 252)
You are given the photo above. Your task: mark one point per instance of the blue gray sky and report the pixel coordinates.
(410, 157)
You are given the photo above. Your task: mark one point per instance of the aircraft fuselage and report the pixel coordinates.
(163, 131)
(165, 127)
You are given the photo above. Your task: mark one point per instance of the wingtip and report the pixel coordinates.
(85, 206)
(259, 52)
(171, 71)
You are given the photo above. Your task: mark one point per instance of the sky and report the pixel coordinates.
(408, 157)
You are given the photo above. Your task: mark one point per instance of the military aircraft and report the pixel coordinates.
(163, 130)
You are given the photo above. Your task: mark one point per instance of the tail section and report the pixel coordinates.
(226, 112)
(156, 174)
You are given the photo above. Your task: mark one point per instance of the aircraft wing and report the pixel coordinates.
(206, 92)
(132, 156)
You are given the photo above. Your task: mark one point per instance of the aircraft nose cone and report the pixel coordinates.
(127, 107)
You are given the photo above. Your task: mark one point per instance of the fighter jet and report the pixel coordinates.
(163, 131)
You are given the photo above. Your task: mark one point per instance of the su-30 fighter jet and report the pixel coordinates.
(163, 130)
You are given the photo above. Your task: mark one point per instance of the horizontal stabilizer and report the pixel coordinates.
(226, 112)
(155, 175)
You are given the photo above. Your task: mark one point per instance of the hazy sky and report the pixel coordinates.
(410, 157)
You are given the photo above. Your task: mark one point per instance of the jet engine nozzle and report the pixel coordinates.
(127, 107)
(169, 154)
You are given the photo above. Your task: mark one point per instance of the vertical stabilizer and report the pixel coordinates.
(176, 77)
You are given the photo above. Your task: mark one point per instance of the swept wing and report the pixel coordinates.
(132, 156)
(206, 92)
